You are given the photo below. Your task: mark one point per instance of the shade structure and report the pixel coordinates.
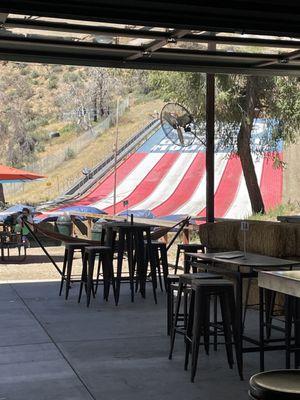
(153, 34)
(17, 208)
(138, 213)
(52, 216)
(10, 174)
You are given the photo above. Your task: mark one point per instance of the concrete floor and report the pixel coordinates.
(56, 349)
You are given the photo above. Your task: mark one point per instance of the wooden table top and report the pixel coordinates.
(287, 282)
(126, 225)
(249, 260)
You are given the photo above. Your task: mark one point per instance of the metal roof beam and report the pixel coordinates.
(3, 18)
(145, 33)
(243, 41)
(62, 45)
(282, 59)
(98, 60)
(271, 17)
(85, 29)
(149, 48)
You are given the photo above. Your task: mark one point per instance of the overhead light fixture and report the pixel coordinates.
(104, 39)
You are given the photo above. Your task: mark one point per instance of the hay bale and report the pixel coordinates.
(263, 238)
(219, 235)
(289, 239)
(297, 239)
(275, 239)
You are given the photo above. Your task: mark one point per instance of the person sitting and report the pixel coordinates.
(21, 227)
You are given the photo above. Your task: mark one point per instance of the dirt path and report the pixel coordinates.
(38, 267)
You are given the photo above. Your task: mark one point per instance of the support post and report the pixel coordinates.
(116, 157)
(210, 144)
(186, 236)
(89, 228)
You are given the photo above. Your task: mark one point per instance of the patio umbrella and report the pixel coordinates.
(138, 213)
(11, 175)
(14, 210)
(52, 216)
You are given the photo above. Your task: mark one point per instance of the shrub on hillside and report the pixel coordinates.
(69, 154)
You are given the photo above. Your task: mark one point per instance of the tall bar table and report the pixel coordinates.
(288, 283)
(243, 267)
(132, 238)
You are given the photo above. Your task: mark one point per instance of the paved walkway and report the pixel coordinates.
(53, 349)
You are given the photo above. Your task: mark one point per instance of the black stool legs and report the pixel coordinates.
(87, 279)
(185, 281)
(70, 249)
(224, 290)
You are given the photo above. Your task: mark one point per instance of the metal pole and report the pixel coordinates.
(42, 247)
(210, 143)
(116, 154)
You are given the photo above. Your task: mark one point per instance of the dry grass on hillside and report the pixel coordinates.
(70, 170)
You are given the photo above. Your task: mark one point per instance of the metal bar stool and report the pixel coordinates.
(87, 278)
(172, 286)
(187, 248)
(160, 259)
(70, 250)
(275, 385)
(185, 281)
(199, 320)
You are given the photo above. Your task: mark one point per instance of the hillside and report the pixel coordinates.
(38, 99)
(135, 118)
(31, 107)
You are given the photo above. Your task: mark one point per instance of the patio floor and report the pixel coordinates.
(56, 349)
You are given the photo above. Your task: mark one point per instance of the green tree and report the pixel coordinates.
(239, 100)
(16, 115)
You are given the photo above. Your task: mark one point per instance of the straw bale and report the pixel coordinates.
(277, 239)
(289, 239)
(263, 238)
(219, 235)
(297, 239)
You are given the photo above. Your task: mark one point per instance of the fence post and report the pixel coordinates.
(186, 235)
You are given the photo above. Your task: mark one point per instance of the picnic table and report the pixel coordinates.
(12, 240)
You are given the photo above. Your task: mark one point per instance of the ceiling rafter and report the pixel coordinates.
(67, 45)
(3, 18)
(257, 17)
(153, 46)
(94, 59)
(282, 59)
(46, 25)
(79, 28)
(73, 36)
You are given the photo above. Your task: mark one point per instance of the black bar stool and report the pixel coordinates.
(199, 320)
(70, 250)
(185, 281)
(187, 248)
(160, 259)
(105, 255)
(275, 385)
(172, 286)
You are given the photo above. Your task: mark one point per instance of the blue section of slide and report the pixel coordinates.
(262, 129)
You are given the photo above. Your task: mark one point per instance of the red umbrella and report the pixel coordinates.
(9, 174)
